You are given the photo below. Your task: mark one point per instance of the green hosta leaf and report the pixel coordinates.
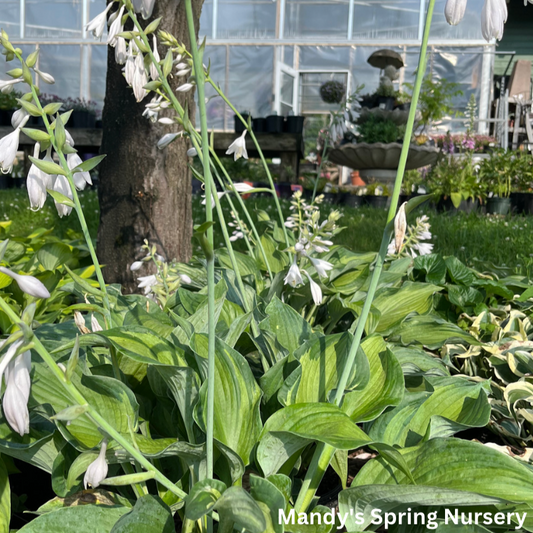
(53, 255)
(238, 507)
(237, 396)
(386, 385)
(80, 518)
(37, 135)
(434, 267)
(320, 370)
(292, 428)
(464, 296)
(149, 515)
(288, 327)
(459, 272)
(458, 465)
(350, 281)
(264, 491)
(458, 400)
(394, 305)
(339, 463)
(5, 499)
(396, 498)
(156, 320)
(277, 260)
(88, 165)
(47, 166)
(143, 346)
(432, 332)
(203, 497)
(111, 398)
(324, 525)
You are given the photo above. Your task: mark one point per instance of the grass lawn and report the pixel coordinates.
(475, 238)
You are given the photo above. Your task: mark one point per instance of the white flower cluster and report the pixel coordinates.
(313, 238)
(165, 281)
(412, 242)
(240, 228)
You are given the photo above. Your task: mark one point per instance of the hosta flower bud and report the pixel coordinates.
(97, 470)
(454, 11)
(95, 325)
(136, 265)
(80, 323)
(28, 284)
(493, 18)
(400, 227)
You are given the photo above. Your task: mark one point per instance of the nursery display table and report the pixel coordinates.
(289, 147)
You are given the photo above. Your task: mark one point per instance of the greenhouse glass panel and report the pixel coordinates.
(63, 62)
(288, 55)
(10, 17)
(251, 74)
(389, 19)
(469, 28)
(246, 19)
(53, 19)
(326, 57)
(216, 107)
(98, 74)
(206, 19)
(327, 19)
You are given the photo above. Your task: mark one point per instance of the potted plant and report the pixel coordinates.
(377, 195)
(259, 125)
(386, 93)
(331, 194)
(454, 181)
(8, 105)
(83, 112)
(332, 92)
(274, 123)
(496, 174)
(522, 183)
(355, 197)
(412, 181)
(294, 124)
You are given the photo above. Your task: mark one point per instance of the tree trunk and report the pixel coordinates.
(144, 192)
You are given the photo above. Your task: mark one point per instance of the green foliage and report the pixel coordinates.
(436, 100)
(378, 129)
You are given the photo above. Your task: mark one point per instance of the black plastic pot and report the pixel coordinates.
(82, 119)
(331, 198)
(284, 189)
(274, 124)
(353, 200)
(522, 202)
(99, 124)
(5, 181)
(498, 206)
(35, 121)
(239, 126)
(404, 107)
(294, 124)
(466, 206)
(386, 102)
(379, 202)
(5, 116)
(259, 125)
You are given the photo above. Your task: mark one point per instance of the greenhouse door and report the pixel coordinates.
(286, 94)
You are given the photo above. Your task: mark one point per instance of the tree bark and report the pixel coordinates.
(144, 192)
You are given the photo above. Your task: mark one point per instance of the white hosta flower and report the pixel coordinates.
(47, 78)
(129, 68)
(9, 146)
(167, 121)
(166, 140)
(95, 325)
(423, 248)
(238, 147)
(191, 152)
(97, 25)
(62, 185)
(136, 265)
(37, 182)
(220, 194)
(184, 88)
(493, 18)
(7, 86)
(293, 277)
(115, 28)
(69, 140)
(242, 187)
(27, 284)
(316, 291)
(121, 51)
(81, 179)
(146, 283)
(321, 266)
(18, 116)
(236, 235)
(185, 279)
(183, 72)
(400, 227)
(18, 385)
(140, 79)
(97, 470)
(454, 11)
(153, 71)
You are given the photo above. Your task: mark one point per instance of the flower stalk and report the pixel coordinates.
(324, 453)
